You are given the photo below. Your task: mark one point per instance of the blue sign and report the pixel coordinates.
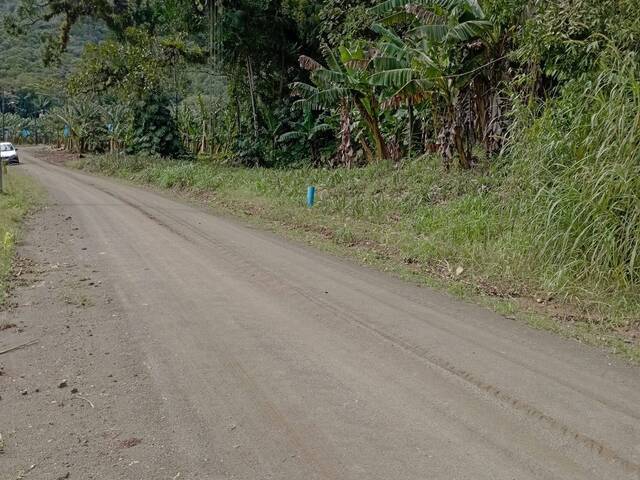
(25, 133)
(110, 127)
(66, 132)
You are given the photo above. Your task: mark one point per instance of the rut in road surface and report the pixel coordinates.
(276, 361)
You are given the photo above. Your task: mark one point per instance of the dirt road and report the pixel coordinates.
(249, 357)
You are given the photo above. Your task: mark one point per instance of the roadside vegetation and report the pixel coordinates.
(494, 144)
(20, 197)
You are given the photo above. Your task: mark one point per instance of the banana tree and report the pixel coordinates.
(435, 60)
(14, 124)
(116, 118)
(402, 78)
(344, 81)
(307, 131)
(85, 121)
(52, 128)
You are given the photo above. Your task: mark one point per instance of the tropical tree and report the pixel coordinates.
(307, 131)
(437, 59)
(344, 83)
(84, 118)
(117, 122)
(135, 70)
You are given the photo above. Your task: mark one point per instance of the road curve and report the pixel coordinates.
(280, 362)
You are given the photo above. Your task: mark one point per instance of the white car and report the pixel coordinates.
(8, 153)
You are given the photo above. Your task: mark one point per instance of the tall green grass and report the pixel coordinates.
(578, 167)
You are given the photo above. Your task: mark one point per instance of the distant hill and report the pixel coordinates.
(21, 65)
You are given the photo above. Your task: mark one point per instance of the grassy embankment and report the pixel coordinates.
(21, 196)
(468, 232)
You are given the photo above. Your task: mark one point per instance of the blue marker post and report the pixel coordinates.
(311, 196)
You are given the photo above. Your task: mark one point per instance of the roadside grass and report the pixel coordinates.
(459, 231)
(21, 196)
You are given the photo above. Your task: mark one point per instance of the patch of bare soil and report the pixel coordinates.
(52, 155)
(76, 399)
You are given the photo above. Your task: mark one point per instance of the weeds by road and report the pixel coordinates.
(456, 231)
(21, 196)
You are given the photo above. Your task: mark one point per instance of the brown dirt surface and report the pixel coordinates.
(62, 300)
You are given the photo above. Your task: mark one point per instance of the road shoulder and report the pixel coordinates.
(76, 398)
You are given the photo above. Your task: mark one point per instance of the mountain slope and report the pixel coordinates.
(21, 56)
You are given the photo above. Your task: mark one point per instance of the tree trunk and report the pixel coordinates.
(463, 156)
(252, 93)
(452, 137)
(367, 150)
(411, 122)
(382, 152)
(345, 151)
(238, 117)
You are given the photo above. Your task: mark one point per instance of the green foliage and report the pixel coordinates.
(567, 37)
(155, 16)
(132, 66)
(342, 22)
(424, 63)
(85, 122)
(306, 133)
(345, 81)
(153, 129)
(134, 70)
(579, 164)
(23, 67)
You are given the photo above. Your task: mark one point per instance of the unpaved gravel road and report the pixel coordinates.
(245, 356)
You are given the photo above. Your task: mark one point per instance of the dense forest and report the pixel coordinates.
(273, 82)
(30, 86)
(542, 97)
(23, 65)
